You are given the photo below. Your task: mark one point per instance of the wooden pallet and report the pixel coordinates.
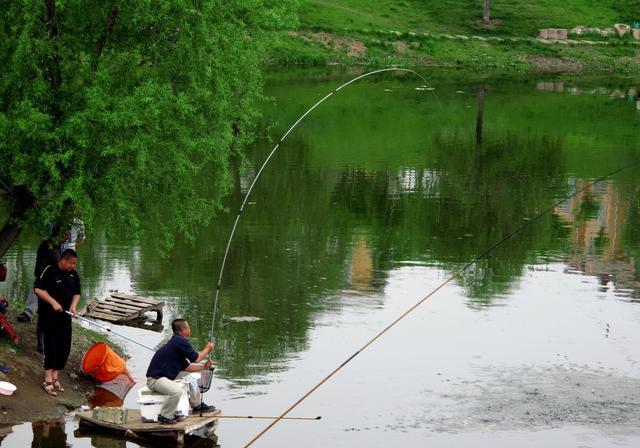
(123, 308)
(128, 423)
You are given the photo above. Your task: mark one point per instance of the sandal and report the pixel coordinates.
(58, 386)
(49, 388)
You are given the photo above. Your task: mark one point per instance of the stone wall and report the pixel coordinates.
(620, 29)
(553, 34)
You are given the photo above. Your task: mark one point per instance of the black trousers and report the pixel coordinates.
(56, 339)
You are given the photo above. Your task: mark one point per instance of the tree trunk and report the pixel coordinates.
(52, 72)
(23, 202)
(485, 12)
(480, 116)
(108, 28)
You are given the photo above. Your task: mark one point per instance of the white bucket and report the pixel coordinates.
(7, 388)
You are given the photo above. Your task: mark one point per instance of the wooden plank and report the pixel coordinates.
(112, 313)
(116, 314)
(91, 305)
(103, 316)
(137, 298)
(127, 302)
(106, 306)
(134, 422)
(131, 306)
(121, 306)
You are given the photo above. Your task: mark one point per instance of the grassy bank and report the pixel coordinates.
(448, 34)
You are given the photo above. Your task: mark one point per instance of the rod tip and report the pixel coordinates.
(318, 417)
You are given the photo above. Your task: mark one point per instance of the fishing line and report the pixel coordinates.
(448, 280)
(246, 197)
(110, 331)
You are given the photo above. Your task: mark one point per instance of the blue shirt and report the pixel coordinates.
(171, 358)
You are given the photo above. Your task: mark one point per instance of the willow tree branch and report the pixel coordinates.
(112, 15)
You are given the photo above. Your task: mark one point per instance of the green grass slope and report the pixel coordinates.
(448, 34)
(513, 17)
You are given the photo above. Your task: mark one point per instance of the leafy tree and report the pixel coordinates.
(126, 111)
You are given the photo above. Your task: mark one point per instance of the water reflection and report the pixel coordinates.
(361, 267)
(49, 434)
(600, 233)
(5, 430)
(110, 441)
(111, 393)
(373, 183)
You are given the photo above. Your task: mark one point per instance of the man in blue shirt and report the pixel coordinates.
(173, 357)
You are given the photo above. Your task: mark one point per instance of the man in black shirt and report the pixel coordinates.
(177, 355)
(58, 289)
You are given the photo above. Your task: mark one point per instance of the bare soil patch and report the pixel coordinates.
(352, 47)
(492, 25)
(399, 46)
(30, 402)
(548, 64)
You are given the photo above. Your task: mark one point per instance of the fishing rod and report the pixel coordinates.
(110, 331)
(268, 417)
(438, 288)
(255, 179)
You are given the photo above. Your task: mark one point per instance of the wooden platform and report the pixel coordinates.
(123, 309)
(128, 423)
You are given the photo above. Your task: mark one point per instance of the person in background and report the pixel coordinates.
(76, 235)
(173, 357)
(49, 252)
(58, 289)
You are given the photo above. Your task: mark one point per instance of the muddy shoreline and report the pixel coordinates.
(30, 403)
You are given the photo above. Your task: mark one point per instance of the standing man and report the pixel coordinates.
(58, 289)
(176, 355)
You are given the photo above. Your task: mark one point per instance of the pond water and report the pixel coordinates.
(381, 195)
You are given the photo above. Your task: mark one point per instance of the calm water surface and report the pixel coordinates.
(374, 201)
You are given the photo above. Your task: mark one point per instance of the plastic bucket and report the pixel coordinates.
(102, 363)
(7, 388)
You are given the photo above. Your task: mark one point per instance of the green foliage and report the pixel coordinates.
(629, 10)
(130, 110)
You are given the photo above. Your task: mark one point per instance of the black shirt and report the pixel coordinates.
(61, 285)
(48, 254)
(171, 358)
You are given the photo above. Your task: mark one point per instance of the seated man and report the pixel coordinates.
(4, 303)
(176, 355)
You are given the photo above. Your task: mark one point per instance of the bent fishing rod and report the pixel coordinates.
(434, 291)
(275, 148)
